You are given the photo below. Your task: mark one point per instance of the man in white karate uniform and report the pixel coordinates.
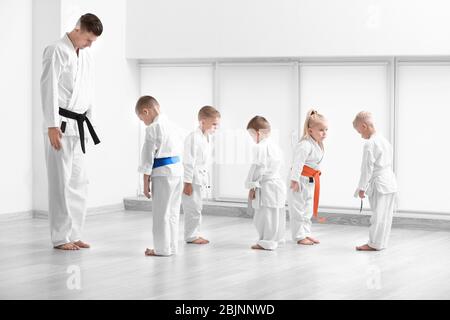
(162, 170)
(377, 180)
(197, 161)
(67, 102)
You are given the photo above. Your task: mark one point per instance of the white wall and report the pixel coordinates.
(112, 164)
(46, 29)
(164, 29)
(15, 88)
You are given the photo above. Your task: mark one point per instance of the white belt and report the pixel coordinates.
(380, 172)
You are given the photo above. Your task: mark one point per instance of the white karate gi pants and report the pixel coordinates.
(301, 209)
(382, 206)
(192, 209)
(270, 224)
(166, 201)
(67, 189)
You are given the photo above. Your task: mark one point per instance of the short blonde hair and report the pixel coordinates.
(208, 112)
(145, 102)
(363, 117)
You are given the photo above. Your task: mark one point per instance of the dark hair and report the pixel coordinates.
(258, 123)
(91, 23)
(145, 102)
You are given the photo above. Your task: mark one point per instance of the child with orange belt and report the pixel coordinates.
(303, 194)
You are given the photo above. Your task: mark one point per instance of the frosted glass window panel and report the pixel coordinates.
(339, 92)
(181, 90)
(423, 137)
(268, 90)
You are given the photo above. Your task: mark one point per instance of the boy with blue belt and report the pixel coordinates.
(162, 167)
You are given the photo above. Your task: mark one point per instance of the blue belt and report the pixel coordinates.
(160, 162)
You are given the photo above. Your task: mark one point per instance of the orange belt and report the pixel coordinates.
(315, 174)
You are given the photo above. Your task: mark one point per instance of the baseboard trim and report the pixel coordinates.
(16, 216)
(42, 214)
(332, 216)
(229, 209)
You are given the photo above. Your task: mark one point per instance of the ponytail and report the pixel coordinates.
(312, 118)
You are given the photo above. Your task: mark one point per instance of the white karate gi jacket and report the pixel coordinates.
(307, 152)
(376, 167)
(197, 158)
(264, 175)
(162, 139)
(67, 81)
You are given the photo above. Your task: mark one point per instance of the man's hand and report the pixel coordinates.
(147, 191)
(55, 134)
(295, 186)
(252, 194)
(187, 190)
(362, 194)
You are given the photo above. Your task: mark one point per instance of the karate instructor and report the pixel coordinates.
(67, 103)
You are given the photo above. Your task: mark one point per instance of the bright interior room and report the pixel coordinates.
(117, 220)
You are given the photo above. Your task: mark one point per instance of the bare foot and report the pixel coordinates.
(82, 244)
(365, 247)
(150, 252)
(305, 241)
(199, 240)
(313, 239)
(67, 246)
(257, 247)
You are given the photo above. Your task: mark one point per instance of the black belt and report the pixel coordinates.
(80, 118)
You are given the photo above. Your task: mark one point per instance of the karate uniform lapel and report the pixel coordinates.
(77, 82)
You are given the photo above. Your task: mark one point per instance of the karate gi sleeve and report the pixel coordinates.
(90, 111)
(367, 165)
(301, 153)
(51, 71)
(149, 149)
(256, 170)
(189, 158)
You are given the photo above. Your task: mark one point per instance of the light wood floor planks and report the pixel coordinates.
(415, 266)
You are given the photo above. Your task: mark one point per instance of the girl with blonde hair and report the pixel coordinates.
(304, 191)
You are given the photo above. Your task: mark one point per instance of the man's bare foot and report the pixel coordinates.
(82, 244)
(199, 240)
(67, 246)
(365, 247)
(150, 252)
(257, 247)
(305, 241)
(313, 239)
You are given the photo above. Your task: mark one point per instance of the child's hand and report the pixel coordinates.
(252, 194)
(147, 191)
(187, 189)
(362, 194)
(295, 186)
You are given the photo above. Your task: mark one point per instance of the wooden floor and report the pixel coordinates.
(415, 266)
